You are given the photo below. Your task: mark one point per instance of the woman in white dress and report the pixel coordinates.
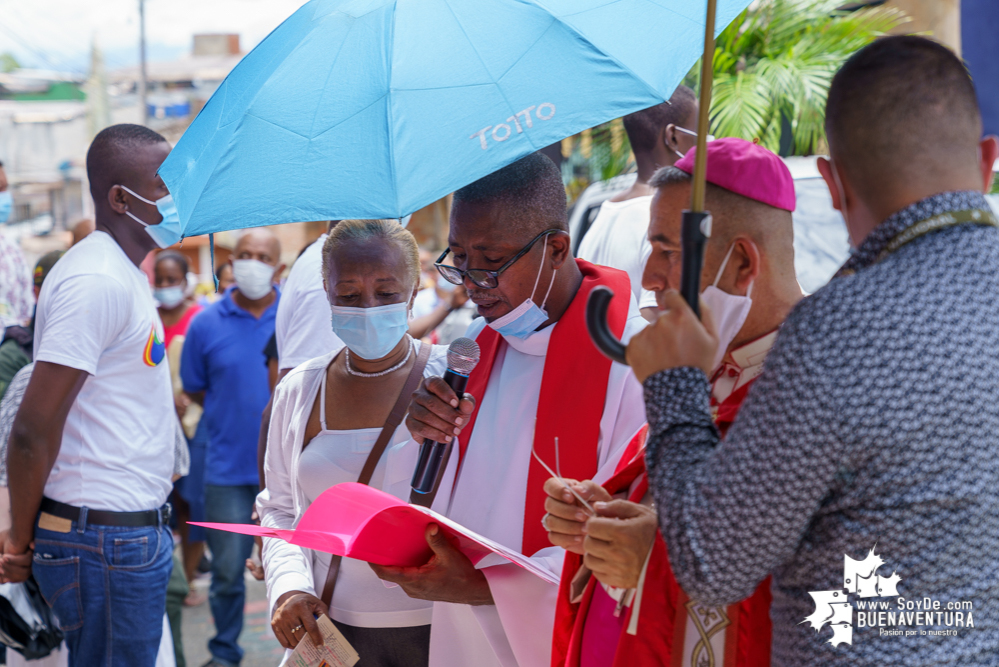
(327, 415)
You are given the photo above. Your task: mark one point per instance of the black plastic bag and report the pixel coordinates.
(32, 640)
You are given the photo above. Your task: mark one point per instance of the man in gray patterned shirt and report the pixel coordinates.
(863, 468)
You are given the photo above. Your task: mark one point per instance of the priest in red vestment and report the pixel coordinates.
(539, 379)
(619, 603)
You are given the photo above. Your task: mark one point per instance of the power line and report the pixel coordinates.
(79, 53)
(29, 47)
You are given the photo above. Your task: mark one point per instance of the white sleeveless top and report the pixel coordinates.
(360, 598)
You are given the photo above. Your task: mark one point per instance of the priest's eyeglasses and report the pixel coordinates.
(482, 277)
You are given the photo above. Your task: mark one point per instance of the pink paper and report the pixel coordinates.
(358, 521)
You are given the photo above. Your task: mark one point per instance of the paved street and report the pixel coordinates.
(262, 650)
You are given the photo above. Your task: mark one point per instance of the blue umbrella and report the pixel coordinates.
(376, 108)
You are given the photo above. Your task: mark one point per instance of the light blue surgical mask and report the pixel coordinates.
(371, 333)
(525, 319)
(6, 204)
(169, 297)
(168, 231)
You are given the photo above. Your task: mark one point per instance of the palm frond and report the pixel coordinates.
(740, 106)
(777, 60)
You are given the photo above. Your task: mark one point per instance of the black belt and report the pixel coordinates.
(106, 518)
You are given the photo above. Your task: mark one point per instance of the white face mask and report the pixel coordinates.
(253, 278)
(729, 311)
(711, 137)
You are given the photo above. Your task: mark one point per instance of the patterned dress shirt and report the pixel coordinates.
(875, 425)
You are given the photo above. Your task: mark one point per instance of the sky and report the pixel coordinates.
(58, 33)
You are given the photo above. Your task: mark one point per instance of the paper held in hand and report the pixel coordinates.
(358, 521)
(336, 651)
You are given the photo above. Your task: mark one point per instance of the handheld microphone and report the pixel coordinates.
(462, 357)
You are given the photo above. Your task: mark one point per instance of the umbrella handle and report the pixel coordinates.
(695, 231)
(696, 226)
(596, 322)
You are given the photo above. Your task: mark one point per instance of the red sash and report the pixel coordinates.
(575, 374)
(724, 413)
(663, 621)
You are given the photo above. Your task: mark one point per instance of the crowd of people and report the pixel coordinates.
(708, 491)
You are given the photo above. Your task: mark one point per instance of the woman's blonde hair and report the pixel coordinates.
(363, 230)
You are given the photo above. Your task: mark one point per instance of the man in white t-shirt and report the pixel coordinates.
(92, 447)
(659, 136)
(303, 320)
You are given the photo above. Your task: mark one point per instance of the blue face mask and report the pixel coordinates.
(168, 231)
(371, 333)
(169, 297)
(6, 204)
(525, 319)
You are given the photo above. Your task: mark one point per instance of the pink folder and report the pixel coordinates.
(358, 521)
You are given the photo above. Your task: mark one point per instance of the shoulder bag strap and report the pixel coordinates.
(391, 424)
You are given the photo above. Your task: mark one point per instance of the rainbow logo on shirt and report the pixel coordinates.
(155, 350)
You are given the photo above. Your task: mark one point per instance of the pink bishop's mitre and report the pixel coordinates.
(746, 169)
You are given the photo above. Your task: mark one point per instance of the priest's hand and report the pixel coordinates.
(566, 518)
(675, 339)
(447, 577)
(436, 413)
(618, 541)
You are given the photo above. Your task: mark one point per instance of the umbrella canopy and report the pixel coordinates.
(376, 108)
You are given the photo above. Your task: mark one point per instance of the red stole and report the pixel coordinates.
(724, 413)
(663, 621)
(574, 370)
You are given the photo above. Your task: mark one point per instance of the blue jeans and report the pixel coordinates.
(107, 585)
(227, 593)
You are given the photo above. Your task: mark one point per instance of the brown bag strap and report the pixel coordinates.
(391, 424)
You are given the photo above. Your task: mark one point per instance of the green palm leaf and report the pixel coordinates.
(777, 60)
(742, 107)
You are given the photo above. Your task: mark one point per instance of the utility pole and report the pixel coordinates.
(143, 83)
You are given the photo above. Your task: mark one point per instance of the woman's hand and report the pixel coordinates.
(294, 615)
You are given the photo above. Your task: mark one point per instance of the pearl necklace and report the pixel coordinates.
(384, 372)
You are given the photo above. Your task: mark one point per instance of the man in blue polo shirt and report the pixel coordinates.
(223, 368)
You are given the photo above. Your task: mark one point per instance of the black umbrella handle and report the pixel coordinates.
(694, 234)
(596, 323)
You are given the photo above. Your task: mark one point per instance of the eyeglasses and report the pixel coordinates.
(482, 277)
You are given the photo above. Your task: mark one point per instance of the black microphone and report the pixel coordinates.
(462, 356)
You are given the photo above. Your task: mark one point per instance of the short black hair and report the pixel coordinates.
(531, 186)
(108, 158)
(643, 127)
(172, 255)
(900, 106)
